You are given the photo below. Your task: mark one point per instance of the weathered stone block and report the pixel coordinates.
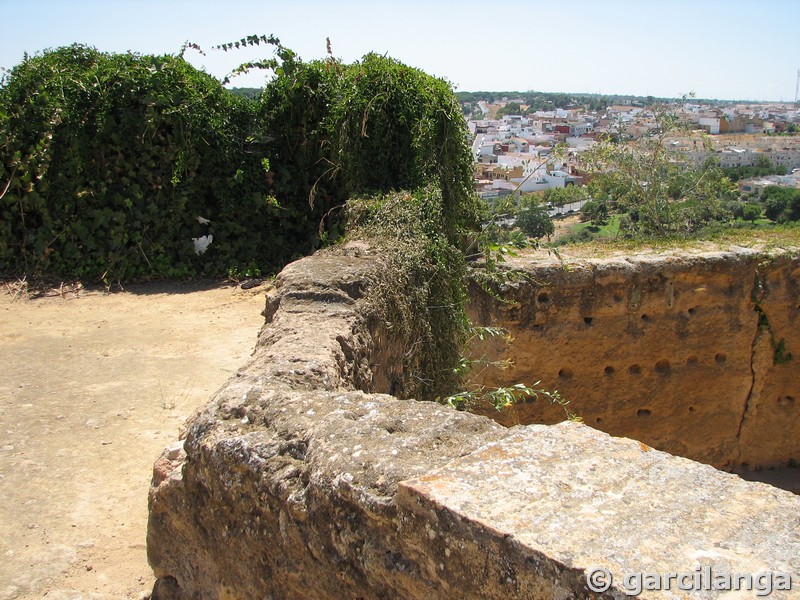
(298, 481)
(575, 499)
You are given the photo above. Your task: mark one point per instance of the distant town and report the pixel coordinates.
(514, 137)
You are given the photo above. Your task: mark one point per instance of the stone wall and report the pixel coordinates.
(688, 353)
(301, 480)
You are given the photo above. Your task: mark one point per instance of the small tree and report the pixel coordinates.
(534, 221)
(781, 204)
(566, 195)
(595, 211)
(751, 212)
(657, 188)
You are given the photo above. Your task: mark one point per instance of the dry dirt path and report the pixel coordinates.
(91, 389)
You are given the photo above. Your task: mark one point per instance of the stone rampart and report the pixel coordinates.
(303, 479)
(694, 354)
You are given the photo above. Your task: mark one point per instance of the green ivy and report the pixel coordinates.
(108, 160)
(338, 131)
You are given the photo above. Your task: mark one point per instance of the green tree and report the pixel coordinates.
(511, 108)
(762, 167)
(534, 221)
(566, 195)
(596, 212)
(655, 187)
(763, 162)
(781, 204)
(751, 212)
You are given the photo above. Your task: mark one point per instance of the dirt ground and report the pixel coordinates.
(92, 387)
(563, 225)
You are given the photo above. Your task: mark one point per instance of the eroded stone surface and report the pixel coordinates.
(584, 499)
(676, 350)
(292, 494)
(289, 483)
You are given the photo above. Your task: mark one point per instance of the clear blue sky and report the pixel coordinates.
(727, 49)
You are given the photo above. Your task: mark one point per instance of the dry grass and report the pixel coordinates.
(763, 239)
(23, 289)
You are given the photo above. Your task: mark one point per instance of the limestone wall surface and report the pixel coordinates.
(694, 354)
(301, 480)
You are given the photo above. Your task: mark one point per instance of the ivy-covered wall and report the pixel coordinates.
(108, 160)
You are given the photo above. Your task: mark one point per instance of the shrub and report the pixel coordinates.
(595, 211)
(534, 221)
(781, 204)
(109, 160)
(751, 212)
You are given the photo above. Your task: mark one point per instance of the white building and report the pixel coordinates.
(713, 124)
(536, 178)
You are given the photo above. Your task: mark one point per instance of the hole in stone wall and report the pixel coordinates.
(663, 367)
(618, 298)
(688, 375)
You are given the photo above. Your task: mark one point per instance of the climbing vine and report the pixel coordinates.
(127, 166)
(419, 295)
(109, 160)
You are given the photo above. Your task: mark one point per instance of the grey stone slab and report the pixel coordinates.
(584, 499)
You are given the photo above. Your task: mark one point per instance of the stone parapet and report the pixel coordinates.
(300, 479)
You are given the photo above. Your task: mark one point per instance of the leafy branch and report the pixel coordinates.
(270, 64)
(285, 55)
(499, 398)
(250, 40)
(190, 45)
(505, 397)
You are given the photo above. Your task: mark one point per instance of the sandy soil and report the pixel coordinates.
(92, 387)
(564, 225)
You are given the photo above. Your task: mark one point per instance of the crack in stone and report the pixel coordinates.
(757, 294)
